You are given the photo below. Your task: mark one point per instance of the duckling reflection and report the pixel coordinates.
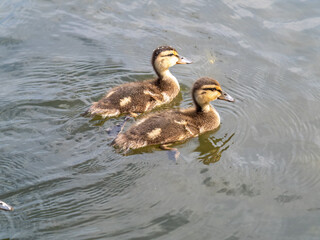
(4, 206)
(211, 148)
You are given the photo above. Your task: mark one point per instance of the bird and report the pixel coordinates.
(4, 206)
(139, 97)
(167, 127)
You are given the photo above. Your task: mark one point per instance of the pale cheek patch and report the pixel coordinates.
(200, 98)
(125, 101)
(158, 64)
(154, 133)
(214, 96)
(164, 64)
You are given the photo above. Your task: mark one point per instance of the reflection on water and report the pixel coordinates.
(211, 148)
(65, 180)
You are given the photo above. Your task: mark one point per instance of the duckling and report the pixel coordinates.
(167, 127)
(4, 206)
(139, 97)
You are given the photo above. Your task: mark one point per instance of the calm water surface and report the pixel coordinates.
(256, 177)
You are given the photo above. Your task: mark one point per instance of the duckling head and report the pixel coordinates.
(165, 57)
(4, 206)
(206, 90)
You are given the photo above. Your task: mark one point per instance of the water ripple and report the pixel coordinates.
(65, 180)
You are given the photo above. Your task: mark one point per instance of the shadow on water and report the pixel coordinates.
(166, 224)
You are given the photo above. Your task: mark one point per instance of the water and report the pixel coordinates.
(256, 177)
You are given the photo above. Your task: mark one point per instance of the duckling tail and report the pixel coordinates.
(121, 142)
(90, 112)
(86, 114)
(95, 110)
(125, 141)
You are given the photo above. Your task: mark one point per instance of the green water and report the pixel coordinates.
(256, 177)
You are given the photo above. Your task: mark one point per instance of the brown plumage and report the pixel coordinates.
(138, 97)
(177, 125)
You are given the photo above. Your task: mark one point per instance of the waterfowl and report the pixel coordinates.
(167, 127)
(139, 97)
(5, 206)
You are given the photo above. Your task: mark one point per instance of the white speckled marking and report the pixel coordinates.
(202, 129)
(181, 137)
(147, 92)
(147, 106)
(111, 113)
(154, 133)
(166, 97)
(125, 101)
(141, 121)
(183, 122)
(188, 129)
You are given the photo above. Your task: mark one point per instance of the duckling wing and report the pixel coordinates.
(134, 97)
(160, 128)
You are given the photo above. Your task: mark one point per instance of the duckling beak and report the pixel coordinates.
(4, 206)
(225, 96)
(183, 60)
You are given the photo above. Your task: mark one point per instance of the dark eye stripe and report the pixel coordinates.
(213, 89)
(170, 55)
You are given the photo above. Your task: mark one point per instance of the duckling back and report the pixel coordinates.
(134, 97)
(166, 127)
(155, 129)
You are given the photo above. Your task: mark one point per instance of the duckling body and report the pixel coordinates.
(177, 125)
(139, 97)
